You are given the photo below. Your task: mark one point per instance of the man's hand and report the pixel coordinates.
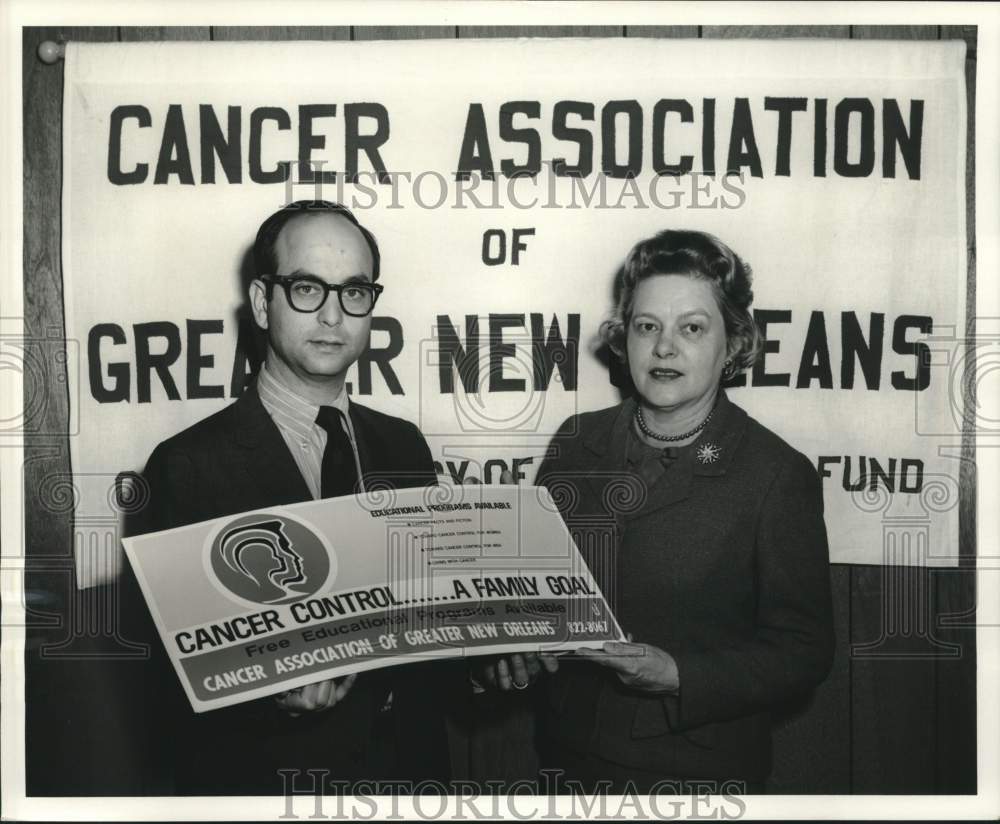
(315, 697)
(640, 666)
(512, 672)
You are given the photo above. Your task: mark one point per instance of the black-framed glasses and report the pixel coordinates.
(307, 293)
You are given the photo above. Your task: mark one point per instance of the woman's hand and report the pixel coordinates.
(512, 672)
(640, 666)
(315, 697)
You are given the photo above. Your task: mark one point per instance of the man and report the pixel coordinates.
(294, 436)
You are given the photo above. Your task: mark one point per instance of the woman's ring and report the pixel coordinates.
(519, 686)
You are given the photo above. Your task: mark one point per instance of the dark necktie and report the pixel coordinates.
(339, 475)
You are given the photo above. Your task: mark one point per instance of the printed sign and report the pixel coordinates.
(267, 601)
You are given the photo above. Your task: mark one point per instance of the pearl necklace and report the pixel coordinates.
(644, 428)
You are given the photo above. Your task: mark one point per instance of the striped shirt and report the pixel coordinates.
(295, 418)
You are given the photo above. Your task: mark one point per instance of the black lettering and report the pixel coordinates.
(819, 152)
(841, 131)
(382, 357)
(500, 350)
(196, 361)
(452, 353)
(309, 141)
(582, 137)
(457, 473)
(475, 154)
(354, 141)
(284, 122)
(905, 483)
(868, 353)
(660, 111)
(118, 372)
(823, 461)
(896, 135)
(515, 467)
(815, 363)
(146, 363)
(118, 116)
(174, 143)
(215, 145)
(529, 137)
(920, 351)
(876, 473)
(785, 107)
(848, 484)
(609, 161)
(742, 142)
(517, 245)
(488, 257)
(763, 318)
(551, 351)
(708, 136)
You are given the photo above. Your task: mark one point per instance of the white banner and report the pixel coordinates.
(846, 195)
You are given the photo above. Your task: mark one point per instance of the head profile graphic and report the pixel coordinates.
(269, 559)
(269, 537)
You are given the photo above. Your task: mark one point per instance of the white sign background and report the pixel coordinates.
(172, 252)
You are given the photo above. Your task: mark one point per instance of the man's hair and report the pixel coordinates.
(699, 255)
(265, 260)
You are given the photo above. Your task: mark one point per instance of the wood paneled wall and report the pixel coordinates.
(897, 715)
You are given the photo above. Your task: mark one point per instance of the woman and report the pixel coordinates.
(718, 567)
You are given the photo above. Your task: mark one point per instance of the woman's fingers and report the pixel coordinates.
(532, 664)
(482, 672)
(503, 675)
(515, 671)
(639, 665)
(624, 649)
(519, 671)
(598, 656)
(618, 656)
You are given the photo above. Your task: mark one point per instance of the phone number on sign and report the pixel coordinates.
(586, 627)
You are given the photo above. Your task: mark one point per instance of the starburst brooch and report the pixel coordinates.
(708, 453)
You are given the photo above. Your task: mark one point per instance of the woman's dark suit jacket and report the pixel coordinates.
(722, 563)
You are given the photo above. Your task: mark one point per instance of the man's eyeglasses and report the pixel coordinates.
(307, 293)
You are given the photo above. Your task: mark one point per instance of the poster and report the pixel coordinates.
(504, 195)
(269, 601)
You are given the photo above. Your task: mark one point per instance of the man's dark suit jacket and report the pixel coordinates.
(723, 563)
(235, 461)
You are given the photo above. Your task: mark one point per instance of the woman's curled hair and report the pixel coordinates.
(699, 255)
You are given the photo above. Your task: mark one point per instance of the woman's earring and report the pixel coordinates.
(728, 369)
